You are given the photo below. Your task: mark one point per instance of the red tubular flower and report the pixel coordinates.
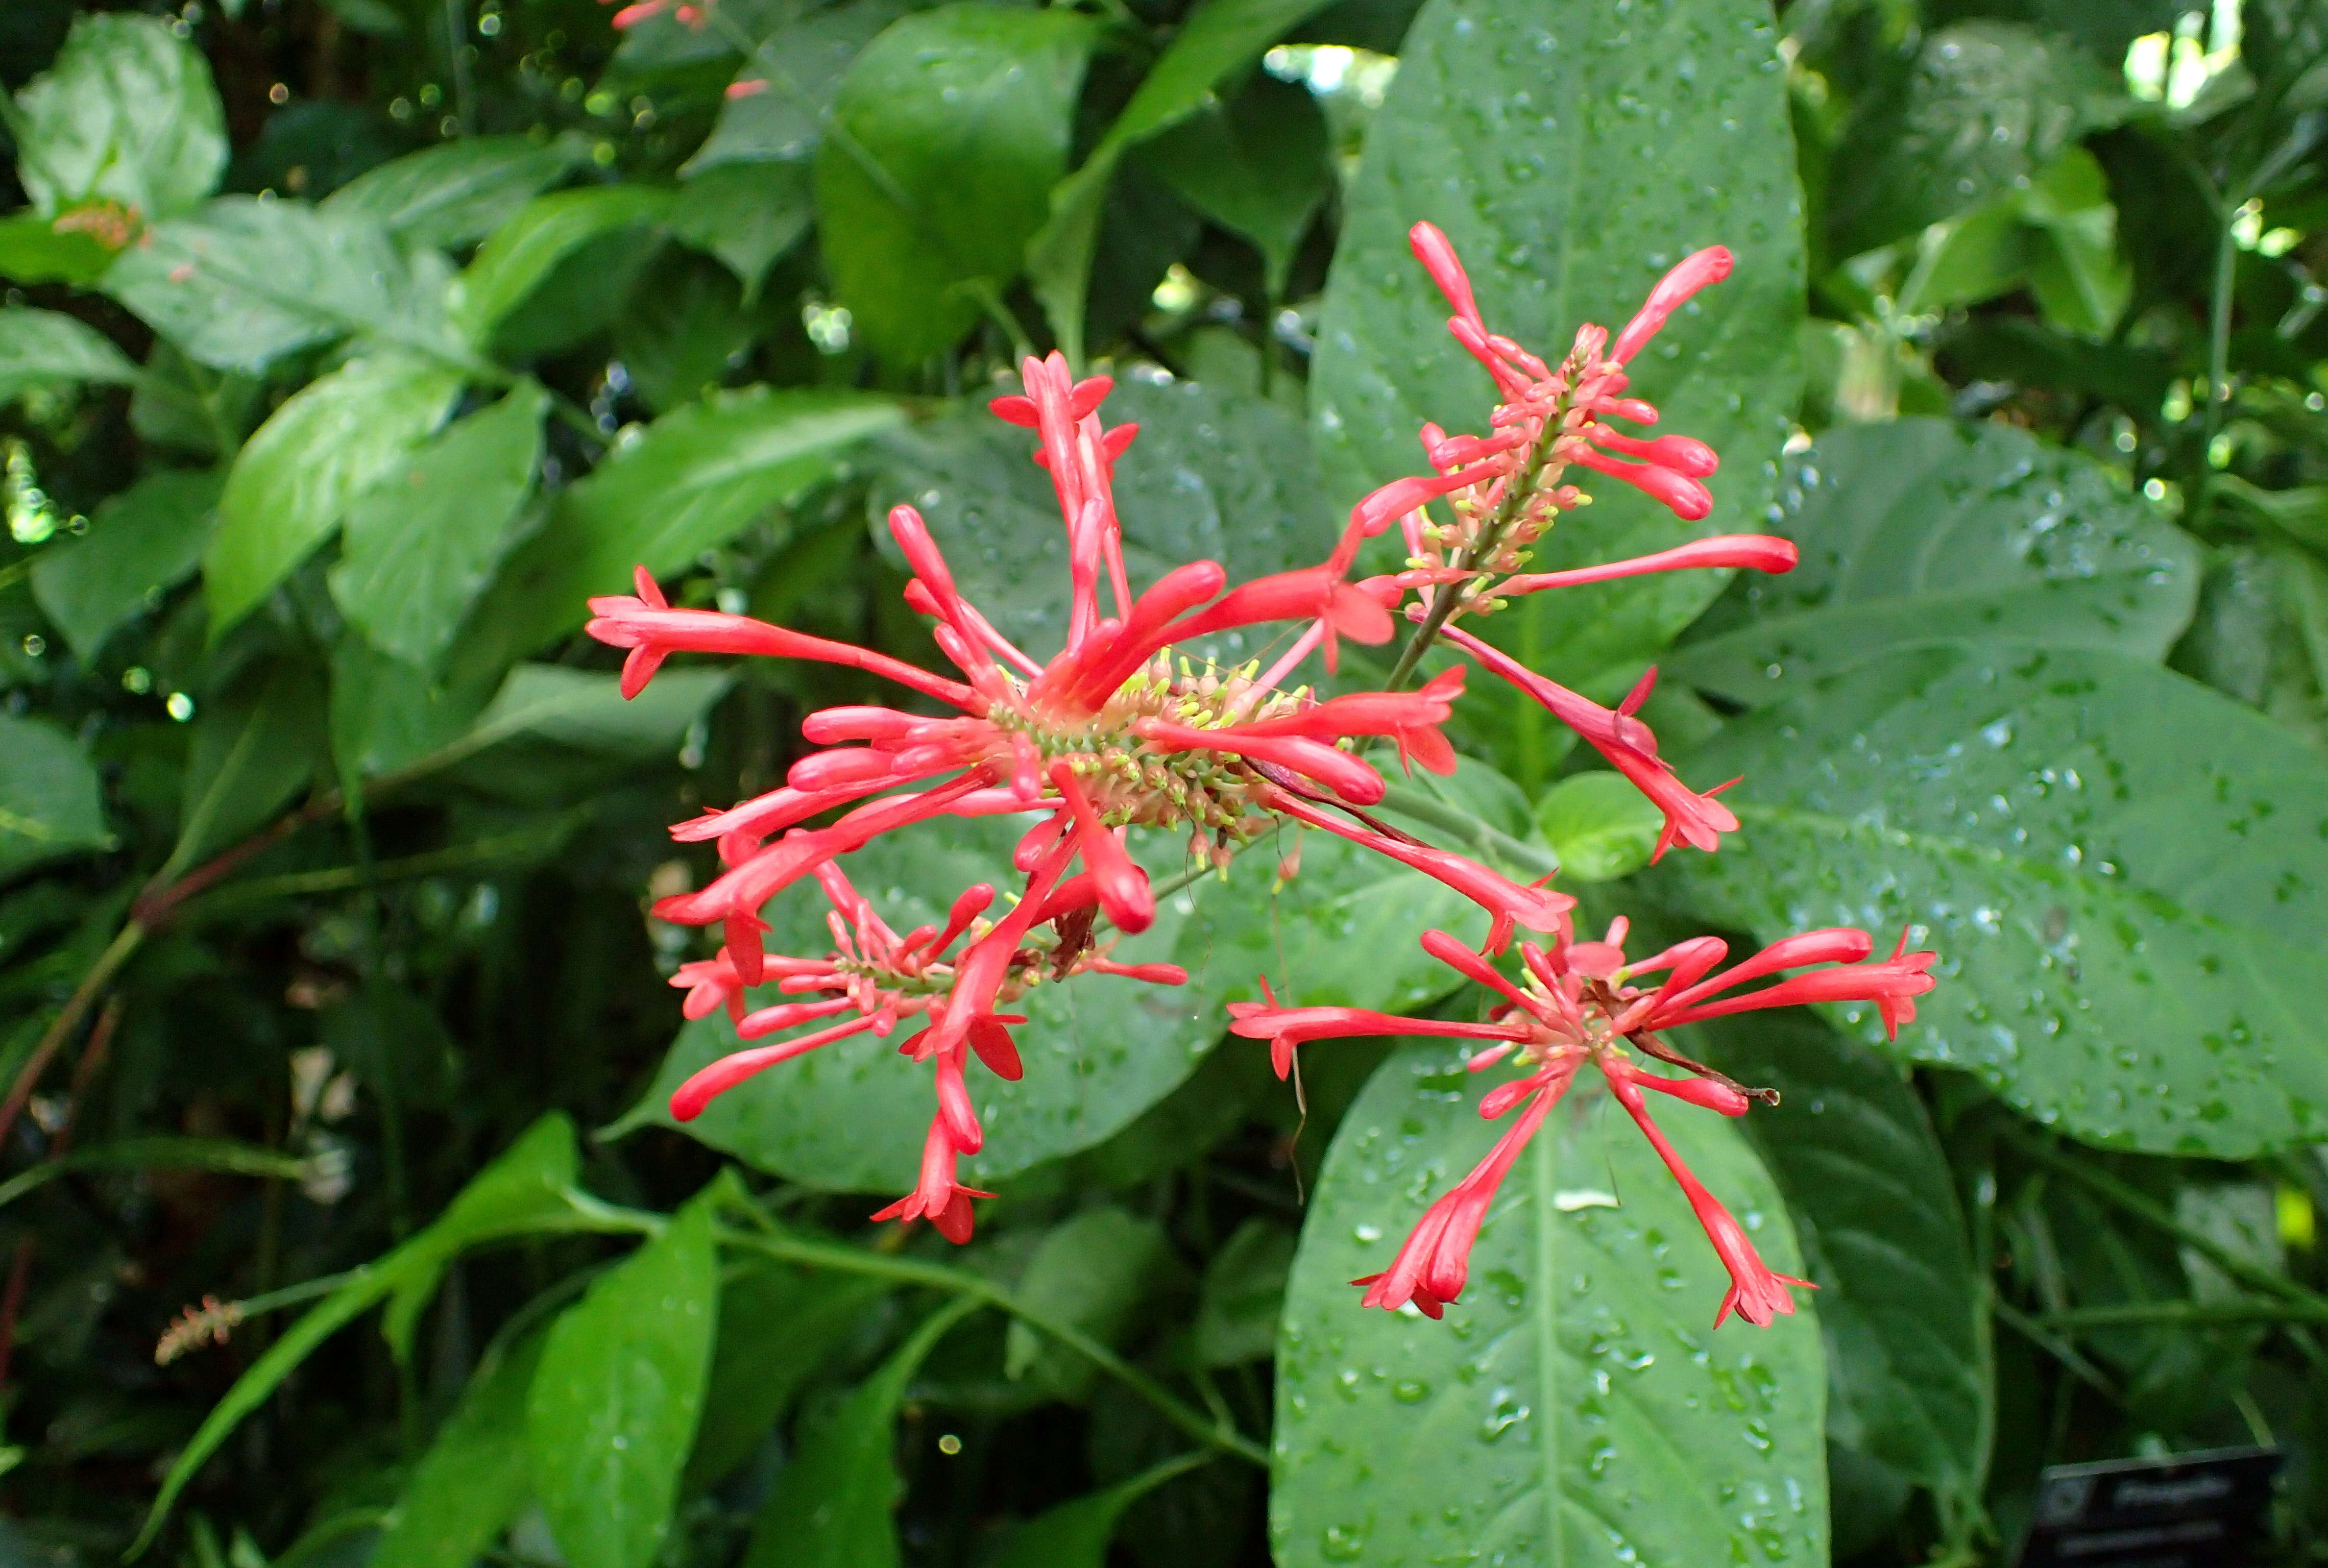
(1709, 265)
(1697, 820)
(1575, 1005)
(1757, 1291)
(938, 1198)
(1757, 551)
(1537, 908)
(1434, 1266)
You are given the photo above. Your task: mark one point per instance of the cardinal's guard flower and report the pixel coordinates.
(1113, 733)
(1574, 1005)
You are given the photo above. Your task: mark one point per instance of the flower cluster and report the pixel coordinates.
(1115, 734)
(1575, 1004)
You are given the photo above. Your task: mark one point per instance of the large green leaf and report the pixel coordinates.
(832, 1506)
(522, 1190)
(244, 282)
(50, 805)
(1211, 477)
(1902, 1304)
(686, 483)
(613, 1409)
(1928, 531)
(461, 191)
(1573, 1407)
(32, 249)
(2125, 873)
(1219, 39)
(141, 542)
(946, 138)
(47, 348)
(421, 544)
(1597, 146)
(585, 711)
(127, 114)
(549, 230)
(1987, 106)
(475, 1478)
(296, 478)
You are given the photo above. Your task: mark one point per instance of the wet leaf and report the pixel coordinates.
(2125, 873)
(474, 1477)
(1576, 1388)
(47, 348)
(1925, 530)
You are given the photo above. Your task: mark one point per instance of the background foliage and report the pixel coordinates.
(348, 345)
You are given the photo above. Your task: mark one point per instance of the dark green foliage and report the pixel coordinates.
(348, 346)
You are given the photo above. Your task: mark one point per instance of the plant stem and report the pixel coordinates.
(2181, 1314)
(937, 1276)
(2036, 1332)
(92, 985)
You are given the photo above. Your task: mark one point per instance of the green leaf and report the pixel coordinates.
(1219, 39)
(1925, 532)
(833, 1506)
(254, 747)
(32, 249)
(745, 214)
(524, 1189)
(127, 114)
(422, 542)
(475, 1478)
(2081, 283)
(1094, 1272)
(1599, 825)
(1075, 1534)
(850, 1116)
(50, 804)
(44, 348)
(945, 137)
(141, 542)
(459, 193)
(687, 483)
(245, 282)
(2125, 874)
(779, 1330)
(1258, 165)
(612, 1414)
(1902, 1304)
(1574, 1406)
(549, 231)
(1244, 1286)
(300, 471)
(803, 63)
(387, 715)
(1574, 199)
(1987, 106)
(1204, 467)
(685, 332)
(585, 711)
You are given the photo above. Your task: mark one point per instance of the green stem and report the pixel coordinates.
(936, 1276)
